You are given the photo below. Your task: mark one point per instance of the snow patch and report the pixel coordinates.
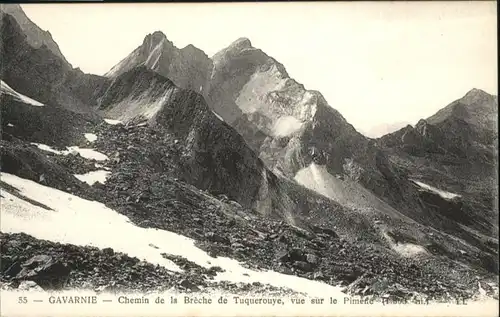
(113, 122)
(346, 191)
(218, 117)
(93, 177)
(482, 291)
(86, 153)
(82, 222)
(409, 249)
(307, 106)
(155, 55)
(47, 148)
(5, 89)
(91, 137)
(286, 126)
(442, 193)
(10, 125)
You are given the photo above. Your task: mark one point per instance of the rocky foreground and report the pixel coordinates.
(29, 263)
(146, 186)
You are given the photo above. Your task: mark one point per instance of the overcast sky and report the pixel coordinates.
(377, 63)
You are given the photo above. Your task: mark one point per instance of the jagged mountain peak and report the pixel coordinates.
(476, 95)
(241, 43)
(158, 34)
(240, 46)
(477, 91)
(156, 38)
(188, 67)
(192, 51)
(421, 122)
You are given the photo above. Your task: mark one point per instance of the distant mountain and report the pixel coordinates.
(212, 156)
(465, 127)
(455, 150)
(384, 128)
(187, 67)
(477, 108)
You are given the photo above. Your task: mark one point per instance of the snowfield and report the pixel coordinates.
(93, 177)
(112, 122)
(82, 222)
(317, 178)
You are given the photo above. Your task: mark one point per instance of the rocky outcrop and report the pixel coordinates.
(214, 156)
(47, 124)
(188, 67)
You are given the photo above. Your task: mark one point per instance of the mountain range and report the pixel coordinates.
(232, 152)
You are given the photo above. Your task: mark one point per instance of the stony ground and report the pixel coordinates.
(146, 185)
(64, 266)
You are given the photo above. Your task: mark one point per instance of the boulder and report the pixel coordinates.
(29, 286)
(185, 283)
(296, 255)
(45, 271)
(303, 266)
(217, 238)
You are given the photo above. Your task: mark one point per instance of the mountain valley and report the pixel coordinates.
(230, 174)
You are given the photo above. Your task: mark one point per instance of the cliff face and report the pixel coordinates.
(214, 158)
(292, 128)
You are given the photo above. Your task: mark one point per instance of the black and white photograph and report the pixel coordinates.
(254, 158)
